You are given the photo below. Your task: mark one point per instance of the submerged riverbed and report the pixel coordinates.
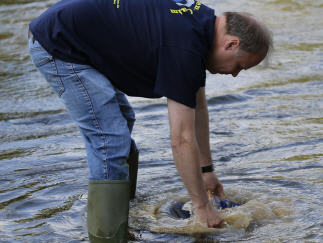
(266, 138)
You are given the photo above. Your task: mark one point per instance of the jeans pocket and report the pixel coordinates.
(38, 54)
(40, 57)
(46, 65)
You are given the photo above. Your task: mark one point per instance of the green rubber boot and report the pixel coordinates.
(133, 171)
(107, 211)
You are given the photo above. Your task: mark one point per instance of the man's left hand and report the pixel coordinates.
(213, 185)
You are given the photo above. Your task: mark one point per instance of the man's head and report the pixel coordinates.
(240, 42)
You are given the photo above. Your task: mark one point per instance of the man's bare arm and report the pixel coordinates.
(186, 158)
(202, 128)
(211, 182)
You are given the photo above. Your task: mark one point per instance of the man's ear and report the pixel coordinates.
(232, 43)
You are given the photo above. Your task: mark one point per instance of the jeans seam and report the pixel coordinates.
(96, 122)
(62, 89)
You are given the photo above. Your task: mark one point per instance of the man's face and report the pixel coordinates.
(230, 60)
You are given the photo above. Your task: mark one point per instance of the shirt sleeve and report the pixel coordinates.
(180, 74)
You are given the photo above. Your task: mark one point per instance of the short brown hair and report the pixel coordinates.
(254, 36)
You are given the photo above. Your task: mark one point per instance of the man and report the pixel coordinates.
(93, 51)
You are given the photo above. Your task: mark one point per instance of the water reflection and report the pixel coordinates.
(266, 137)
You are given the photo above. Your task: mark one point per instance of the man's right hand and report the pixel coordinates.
(208, 216)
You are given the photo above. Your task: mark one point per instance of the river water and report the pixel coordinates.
(266, 136)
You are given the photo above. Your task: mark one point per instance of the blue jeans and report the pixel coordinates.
(102, 112)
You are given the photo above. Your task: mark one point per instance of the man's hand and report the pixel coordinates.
(213, 185)
(208, 216)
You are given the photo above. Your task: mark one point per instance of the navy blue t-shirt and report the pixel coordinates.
(146, 48)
